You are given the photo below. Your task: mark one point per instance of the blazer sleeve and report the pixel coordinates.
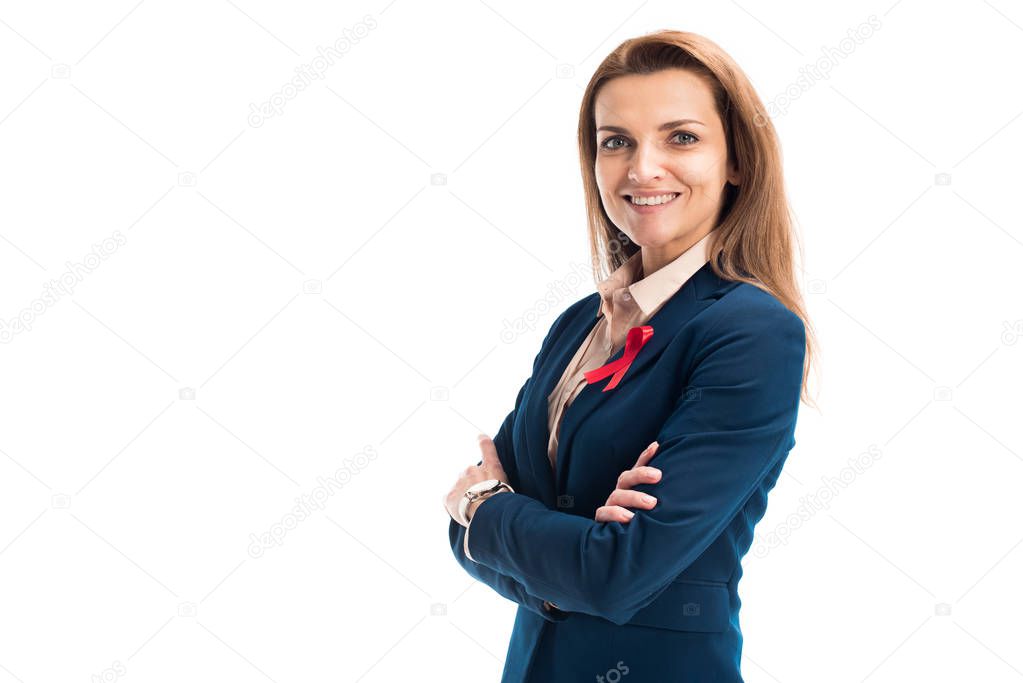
(733, 423)
(504, 584)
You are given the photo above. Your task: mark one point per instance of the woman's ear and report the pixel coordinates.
(734, 177)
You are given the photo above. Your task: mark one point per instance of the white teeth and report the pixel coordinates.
(650, 201)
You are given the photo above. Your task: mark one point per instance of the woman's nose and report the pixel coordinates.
(647, 164)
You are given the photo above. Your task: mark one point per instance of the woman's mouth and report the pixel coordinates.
(651, 204)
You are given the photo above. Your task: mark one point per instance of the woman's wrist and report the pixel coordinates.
(471, 509)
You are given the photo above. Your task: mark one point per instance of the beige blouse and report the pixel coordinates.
(627, 299)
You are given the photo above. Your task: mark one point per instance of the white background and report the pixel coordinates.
(333, 309)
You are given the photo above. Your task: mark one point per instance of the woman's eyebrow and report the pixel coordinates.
(663, 126)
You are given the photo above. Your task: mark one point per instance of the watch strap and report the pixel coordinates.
(471, 496)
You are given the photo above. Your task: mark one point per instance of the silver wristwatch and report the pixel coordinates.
(478, 491)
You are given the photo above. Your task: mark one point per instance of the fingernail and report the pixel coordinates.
(652, 444)
(630, 513)
(649, 499)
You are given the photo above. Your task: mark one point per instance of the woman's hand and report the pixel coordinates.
(490, 468)
(614, 509)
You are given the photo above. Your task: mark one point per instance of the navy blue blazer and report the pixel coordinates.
(718, 386)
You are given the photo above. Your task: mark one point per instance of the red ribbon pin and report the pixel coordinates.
(634, 341)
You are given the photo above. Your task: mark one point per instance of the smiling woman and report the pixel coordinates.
(616, 513)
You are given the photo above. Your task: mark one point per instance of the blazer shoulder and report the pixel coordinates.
(748, 307)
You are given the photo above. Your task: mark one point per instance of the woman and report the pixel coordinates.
(690, 355)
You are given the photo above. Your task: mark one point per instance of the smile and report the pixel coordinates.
(651, 204)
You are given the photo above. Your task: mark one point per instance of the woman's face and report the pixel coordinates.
(660, 134)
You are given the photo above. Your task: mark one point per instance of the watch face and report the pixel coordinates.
(484, 485)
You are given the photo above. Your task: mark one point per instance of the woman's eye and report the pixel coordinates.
(690, 135)
(605, 144)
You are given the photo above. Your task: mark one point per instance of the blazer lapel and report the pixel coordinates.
(695, 294)
(537, 413)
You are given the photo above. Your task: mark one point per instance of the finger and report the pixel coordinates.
(638, 475)
(632, 499)
(489, 451)
(613, 513)
(648, 453)
(491, 462)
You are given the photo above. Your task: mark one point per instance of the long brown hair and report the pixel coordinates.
(754, 238)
